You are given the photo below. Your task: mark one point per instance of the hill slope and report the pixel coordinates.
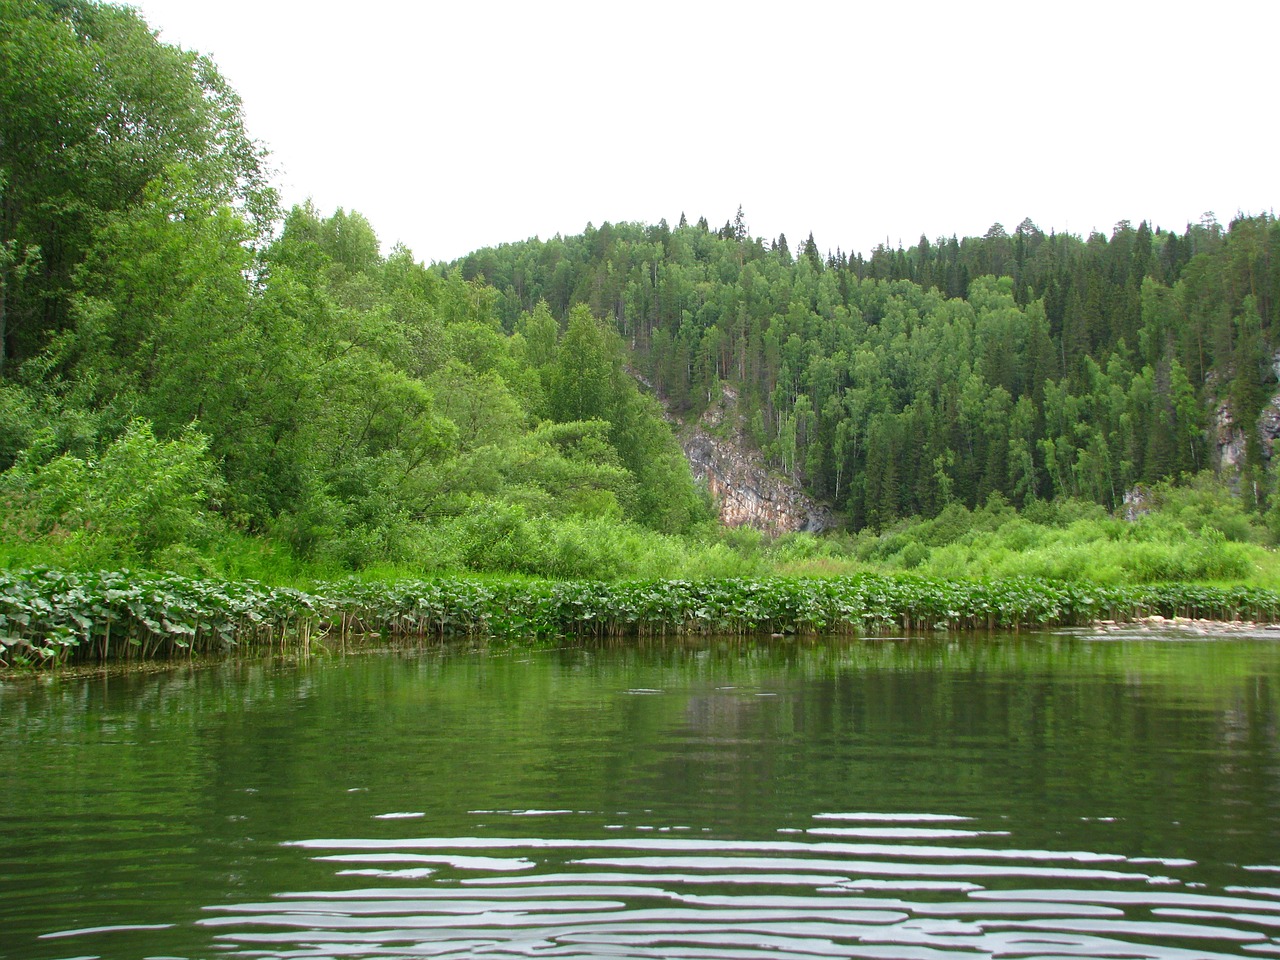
(1031, 366)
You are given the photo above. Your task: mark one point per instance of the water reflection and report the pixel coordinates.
(1010, 797)
(648, 896)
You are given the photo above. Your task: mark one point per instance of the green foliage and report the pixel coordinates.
(586, 381)
(182, 369)
(93, 109)
(1194, 533)
(1203, 505)
(1036, 366)
(143, 496)
(359, 411)
(52, 617)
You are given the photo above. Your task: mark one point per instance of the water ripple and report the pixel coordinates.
(701, 897)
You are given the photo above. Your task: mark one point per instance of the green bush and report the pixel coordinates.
(141, 497)
(1199, 504)
(912, 555)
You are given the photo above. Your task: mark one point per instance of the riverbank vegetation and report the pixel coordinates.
(1196, 531)
(205, 388)
(52, 618)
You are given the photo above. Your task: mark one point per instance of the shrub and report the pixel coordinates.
(142, 496)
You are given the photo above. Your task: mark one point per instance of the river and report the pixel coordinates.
(1039, 796)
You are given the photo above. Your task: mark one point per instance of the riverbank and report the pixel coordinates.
(50, 617)
(1189, 626)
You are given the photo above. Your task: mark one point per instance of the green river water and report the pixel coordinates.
(1014, 797)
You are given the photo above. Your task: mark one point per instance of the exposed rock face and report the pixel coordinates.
(1136, 503)
(746, 493)
(1230, 436)
(1269, 426)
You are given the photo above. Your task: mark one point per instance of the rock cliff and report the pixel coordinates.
(1230, 436)
(746, 492)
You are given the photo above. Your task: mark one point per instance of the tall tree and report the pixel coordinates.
(92, 109)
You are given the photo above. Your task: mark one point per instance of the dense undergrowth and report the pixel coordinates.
(1193, 550)
(55, 618)
(1193, 531)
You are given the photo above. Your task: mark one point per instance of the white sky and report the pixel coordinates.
(453, 126)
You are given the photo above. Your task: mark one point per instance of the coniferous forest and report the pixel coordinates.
(1026, 364)
(194, 378)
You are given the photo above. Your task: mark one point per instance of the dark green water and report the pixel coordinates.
(1016, 798)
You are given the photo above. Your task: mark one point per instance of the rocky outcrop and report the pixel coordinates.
(1136, 503)
(1269, 426)
(745, 491)
(1230, 436)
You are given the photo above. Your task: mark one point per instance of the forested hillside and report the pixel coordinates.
(1028, 364)
(189, 371)
(182, 359)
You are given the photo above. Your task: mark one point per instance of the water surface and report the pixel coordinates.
(1014, 797)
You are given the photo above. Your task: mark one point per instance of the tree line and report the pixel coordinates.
(182, 357)
(1028, 365)
(182, 360)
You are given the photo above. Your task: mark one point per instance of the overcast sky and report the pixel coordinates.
(453, 126)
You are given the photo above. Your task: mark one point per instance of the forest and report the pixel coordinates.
(194, 378)
(1027, 365)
